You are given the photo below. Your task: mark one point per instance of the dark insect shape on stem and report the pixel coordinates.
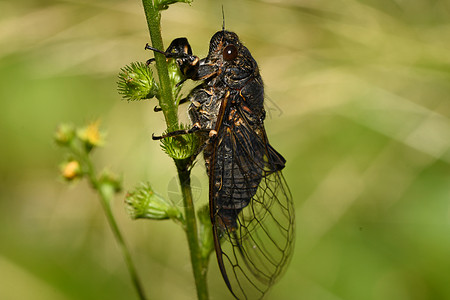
(251, 206)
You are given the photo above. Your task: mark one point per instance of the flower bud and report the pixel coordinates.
(182, 146)
(64, 134)
(112, 180)
(143, 203)
(136, 82)
(71, 170)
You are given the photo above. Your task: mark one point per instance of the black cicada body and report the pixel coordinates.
(251, 206)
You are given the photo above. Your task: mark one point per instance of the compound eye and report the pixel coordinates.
(230, 52)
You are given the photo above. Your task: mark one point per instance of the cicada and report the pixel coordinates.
(251, 207)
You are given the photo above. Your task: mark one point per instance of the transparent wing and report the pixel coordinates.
(251, 208)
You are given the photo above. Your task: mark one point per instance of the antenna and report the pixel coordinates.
(223, 19)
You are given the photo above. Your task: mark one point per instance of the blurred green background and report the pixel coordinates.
(358, 102)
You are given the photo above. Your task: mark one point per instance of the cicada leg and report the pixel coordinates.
(158, 109)
(195, 128)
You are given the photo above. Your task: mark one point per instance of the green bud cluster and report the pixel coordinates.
(65, 134)
(181, 146)
(136, 82)
(144, 203)
(83, 139)
(80, 142)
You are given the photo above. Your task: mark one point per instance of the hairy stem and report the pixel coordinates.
(169, 108)
(199, 267)
(106, 192)
(166, 101)
(106, 187)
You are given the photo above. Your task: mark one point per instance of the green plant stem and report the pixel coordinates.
(170, 109)
(199, 266)
(166, 101)
(106, 192)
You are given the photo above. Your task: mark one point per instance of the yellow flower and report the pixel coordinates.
(91, 135)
